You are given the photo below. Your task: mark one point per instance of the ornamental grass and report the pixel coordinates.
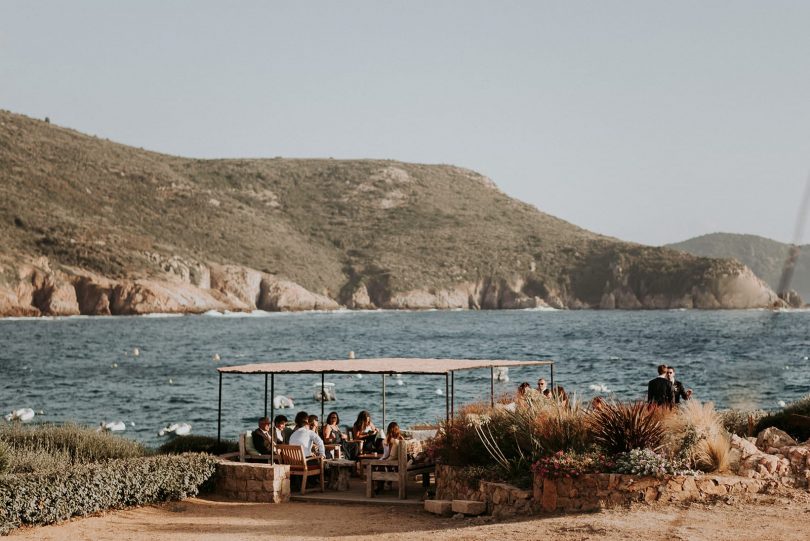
(619, 428)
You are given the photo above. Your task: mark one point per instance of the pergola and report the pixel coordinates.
(382, 366)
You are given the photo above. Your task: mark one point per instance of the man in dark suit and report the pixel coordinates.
(681, 393)
(262, 440)
(659, 390)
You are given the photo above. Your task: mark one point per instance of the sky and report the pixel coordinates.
(649, 121)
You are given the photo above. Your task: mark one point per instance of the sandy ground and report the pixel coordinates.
(783, 517)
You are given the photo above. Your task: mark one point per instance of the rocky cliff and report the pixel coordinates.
(88, 226)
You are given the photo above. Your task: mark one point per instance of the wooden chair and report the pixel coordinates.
(248, 453)
(399, 470)
(293, 456)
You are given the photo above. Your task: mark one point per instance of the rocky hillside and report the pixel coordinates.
(765, 257)
(94, 227)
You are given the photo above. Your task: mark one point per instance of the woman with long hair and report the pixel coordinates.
(333, 436)
(365, 430)
(393, 447)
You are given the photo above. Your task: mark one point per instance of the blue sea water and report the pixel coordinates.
(83, 369)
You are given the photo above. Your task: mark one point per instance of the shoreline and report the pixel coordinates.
(228, 314)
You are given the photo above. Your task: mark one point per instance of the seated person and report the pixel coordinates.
(312, 421)
(333, 435)
(261, 437)
(302, 435)
(365, 430)
(281, 434)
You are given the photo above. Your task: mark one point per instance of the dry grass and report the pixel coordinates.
(620, 428)
(713, 454)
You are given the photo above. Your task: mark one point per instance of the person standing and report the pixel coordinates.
(659, 389)
(681, 393)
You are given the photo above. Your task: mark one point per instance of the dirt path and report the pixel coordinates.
(785, 517)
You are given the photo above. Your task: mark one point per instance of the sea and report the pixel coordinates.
(151, 371)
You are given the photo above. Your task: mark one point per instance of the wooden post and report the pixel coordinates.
(383, 401)
(447, 397)
(452, 395)
(491, 386)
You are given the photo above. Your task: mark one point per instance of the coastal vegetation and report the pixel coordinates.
(50, 473)
(565, 439)
(94, 227)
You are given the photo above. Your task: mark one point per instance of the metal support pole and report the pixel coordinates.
(323, 397)
(447, 397)
(452, 395)
(383, 401)
(552, 376)
(219, 411)
(272, 414)
(265, 395)
(492, 386)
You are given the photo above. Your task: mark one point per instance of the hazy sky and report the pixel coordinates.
(650, 121)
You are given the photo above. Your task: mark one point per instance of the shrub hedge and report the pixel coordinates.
(198, 444)
(81, 490)
(793, 419)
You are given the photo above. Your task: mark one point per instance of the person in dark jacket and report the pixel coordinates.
(262, 440)
(659, 390)
(681, 392)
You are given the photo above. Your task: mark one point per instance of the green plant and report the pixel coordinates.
(793, 419)
(648, 462)
(198, 444)
(562, 464)
(620, 428)
(739, 422)
(75, 443)
(560, 428)
(84, 489)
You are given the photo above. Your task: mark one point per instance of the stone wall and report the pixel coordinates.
(501, 499)
(597, 490)
(589, 492)
(249, 482)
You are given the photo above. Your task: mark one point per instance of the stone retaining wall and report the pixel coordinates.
(594, 491)
(250, 482)
(501, 499)
(589, 492)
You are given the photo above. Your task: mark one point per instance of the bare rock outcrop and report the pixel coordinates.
(150, 296)
(742, 290)
(238, 282)
(286, 296)
(359, 299)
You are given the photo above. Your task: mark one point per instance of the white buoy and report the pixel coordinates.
(282, 402)
(171, 381)
(114, 426)
(23, 415)
(351, 355)
(178, 429)
(114, 365)
(216, 357)
(359, 376)
(782, 403)
(439, 392)
(136, 352)
(325, 394)
(400, 382)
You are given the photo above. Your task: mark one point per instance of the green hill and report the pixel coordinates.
(92, 226)
(764, 256)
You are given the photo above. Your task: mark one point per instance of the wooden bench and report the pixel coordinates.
(247, 453)
(293, 456)
(399, 470)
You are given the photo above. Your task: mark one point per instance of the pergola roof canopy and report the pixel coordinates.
(375, 366)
